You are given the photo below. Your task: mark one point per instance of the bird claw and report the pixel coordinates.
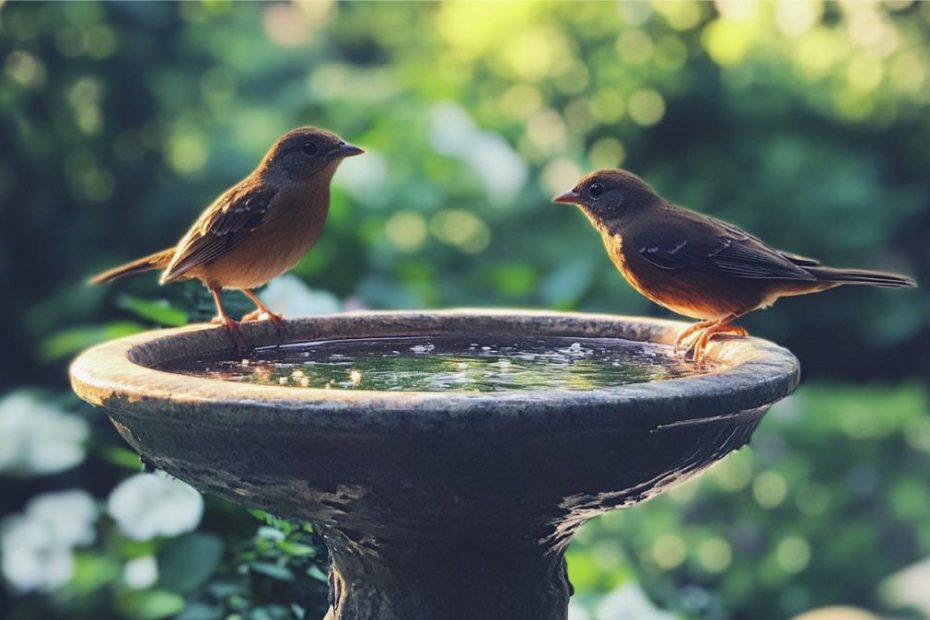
(276, 320)
(689, 335)
(263, 315)
(685, 345)
(232, 328)
(696, 338)
(699, 348)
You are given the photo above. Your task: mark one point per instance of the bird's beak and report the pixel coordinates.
(571, 197)
(348, 150)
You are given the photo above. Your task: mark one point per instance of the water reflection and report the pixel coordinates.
(436, 364)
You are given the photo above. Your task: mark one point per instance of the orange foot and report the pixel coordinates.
(277, 321)
(688, 333)
(232, 328)
(700, 346)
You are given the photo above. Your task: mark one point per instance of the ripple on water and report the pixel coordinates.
(440, 364)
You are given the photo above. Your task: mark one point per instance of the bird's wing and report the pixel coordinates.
(797, 259)
(686, 240)
(221, 227)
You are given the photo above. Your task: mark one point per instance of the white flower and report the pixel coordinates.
(149, 505)
(36, 545)
(37, 437)
(68, 515)
(141, 573)
(31, 560)
(292, 298)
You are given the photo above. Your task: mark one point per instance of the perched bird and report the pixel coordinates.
(697, 265)
(258, 228)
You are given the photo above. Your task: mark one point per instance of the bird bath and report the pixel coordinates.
(451, 498)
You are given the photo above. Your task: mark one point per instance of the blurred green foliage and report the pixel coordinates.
(807, 123)
(830, 500)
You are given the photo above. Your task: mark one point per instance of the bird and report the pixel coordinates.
(696, 265)
(257, 229)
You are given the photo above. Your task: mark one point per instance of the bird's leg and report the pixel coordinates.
(231, 325)
(720, 327)
(686, 333)
(263, 313)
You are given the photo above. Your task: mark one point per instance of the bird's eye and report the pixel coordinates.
(309, 148)
(596, 190)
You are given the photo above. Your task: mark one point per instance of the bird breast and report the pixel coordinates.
(686, 292)
(294, 225)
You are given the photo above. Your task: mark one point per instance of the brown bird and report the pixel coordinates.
(257, 229)
(697, 265)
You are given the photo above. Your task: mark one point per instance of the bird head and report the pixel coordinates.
(607, 195)
(303, 152)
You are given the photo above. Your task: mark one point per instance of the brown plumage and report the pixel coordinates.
(257, 229)
(697, 265)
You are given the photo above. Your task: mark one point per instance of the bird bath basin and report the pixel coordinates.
(446, 478)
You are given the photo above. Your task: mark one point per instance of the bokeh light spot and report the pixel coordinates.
(671, 53)
(608, 106)
(25, 69)
(99, 41)
(546, 132)
(793, 554)
(864, 73)
(734, 473)
(462, 229)
(728, 42)
(682, 15)
(520, 101)
(669, 551)
(714, 554)
(769, 488)
(406, 230)
(285, 25)
(559, 175)
(646, 107)
(187, 152)
(634, 46)
(793, 17)
(607, 153)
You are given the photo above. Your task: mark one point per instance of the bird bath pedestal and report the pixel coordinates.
(435, 505)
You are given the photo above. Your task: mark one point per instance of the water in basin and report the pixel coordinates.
(438, 364)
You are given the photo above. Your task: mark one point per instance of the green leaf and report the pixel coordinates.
(315, 572)
(158, 311)
(92, 572)
(296, 549)
(187, 562)
(69, 341)
(151, 604)
(274, 571)
(270, 533)
(121, 457)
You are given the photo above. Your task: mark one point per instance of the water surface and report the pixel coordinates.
(439, 364)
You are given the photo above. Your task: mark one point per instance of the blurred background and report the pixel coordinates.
(808, 123)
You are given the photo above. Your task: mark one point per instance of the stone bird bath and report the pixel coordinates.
(435, 505)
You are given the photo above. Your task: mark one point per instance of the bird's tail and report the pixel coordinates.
(861, 276)
(158, 260)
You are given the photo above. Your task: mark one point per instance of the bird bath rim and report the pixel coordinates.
(120, 376)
